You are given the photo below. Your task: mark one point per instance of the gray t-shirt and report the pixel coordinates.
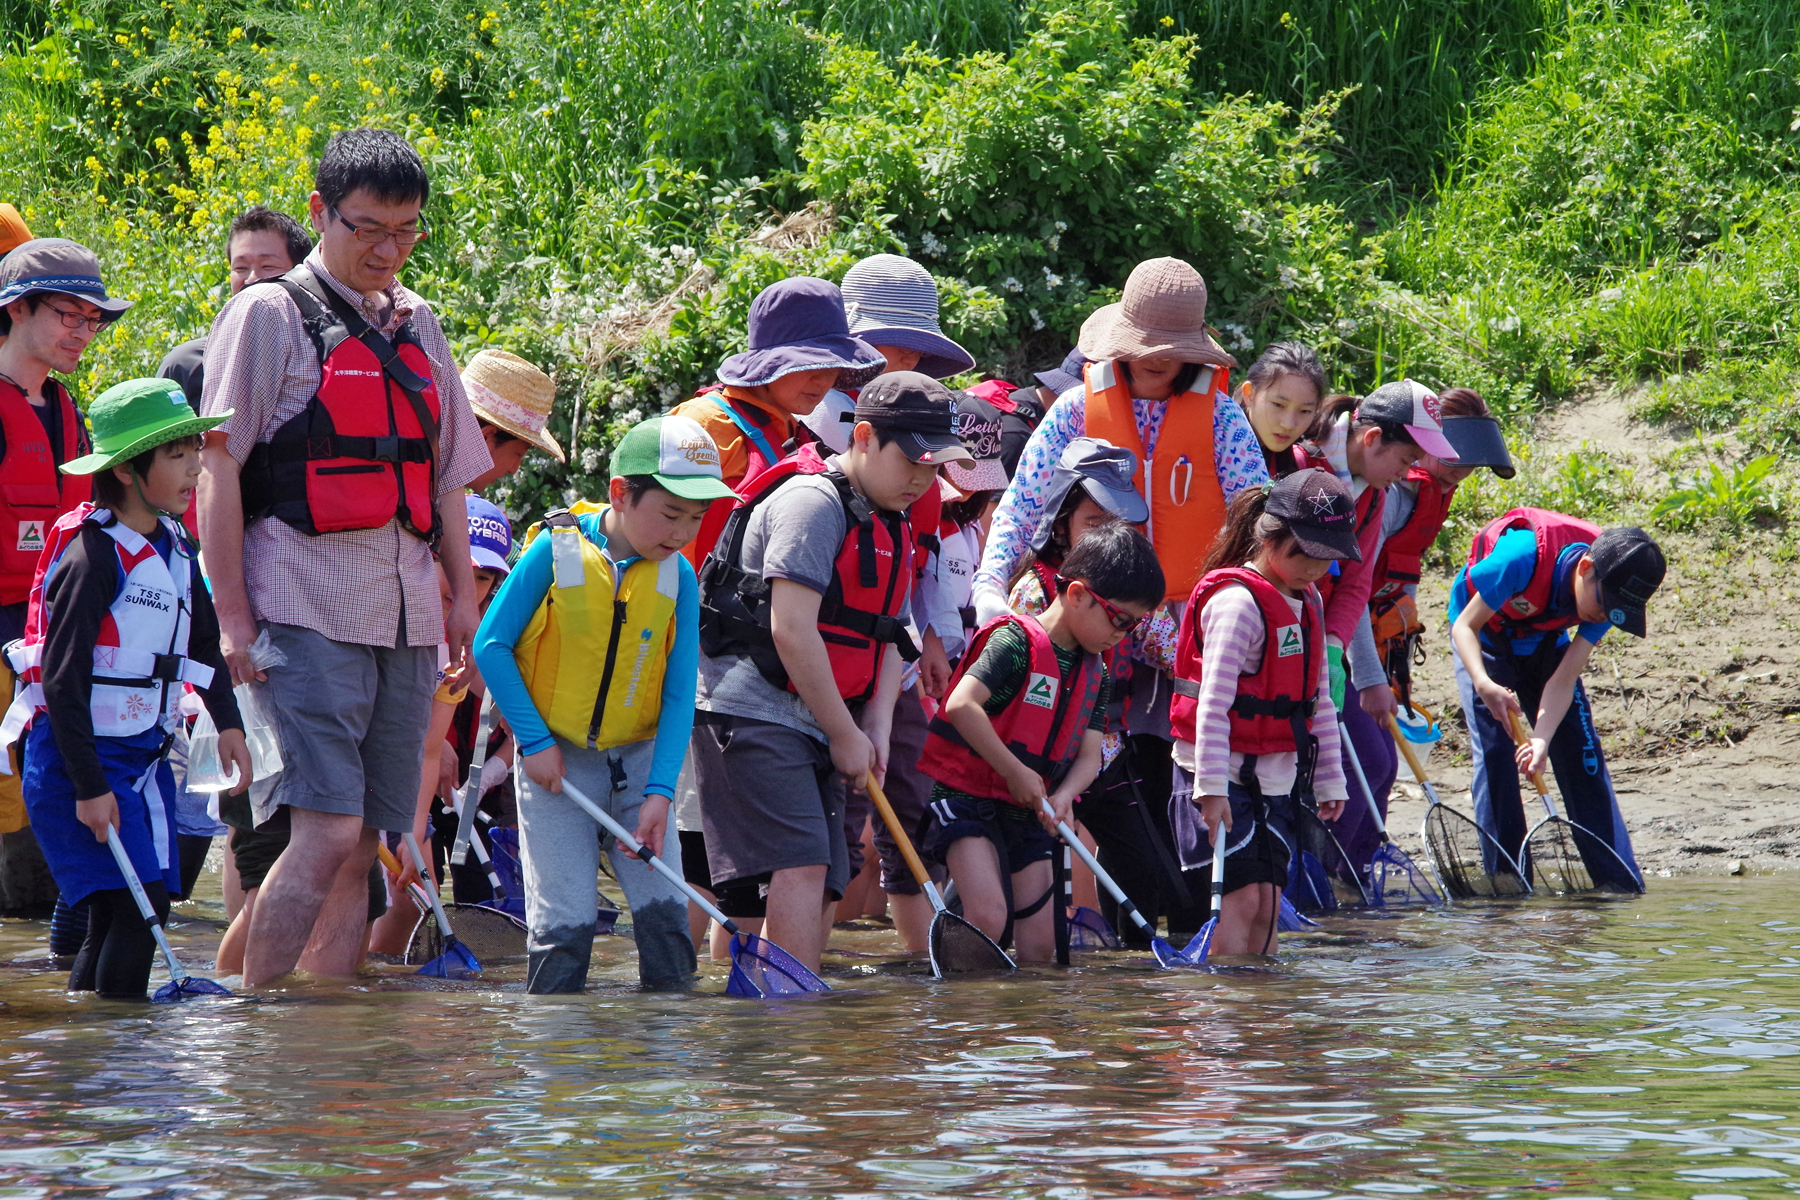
(794, 535)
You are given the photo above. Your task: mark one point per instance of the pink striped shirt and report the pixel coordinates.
(1232, 634)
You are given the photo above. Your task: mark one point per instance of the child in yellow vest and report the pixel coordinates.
(591, 649)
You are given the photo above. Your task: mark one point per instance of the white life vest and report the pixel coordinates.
(140, 659)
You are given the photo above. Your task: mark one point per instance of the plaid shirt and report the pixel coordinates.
(360, 585)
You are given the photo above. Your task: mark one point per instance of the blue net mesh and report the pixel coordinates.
(1289, 919)
(1088, 930)
(190, 988)
(503, 848)
(761, 968)
(1395, 881)
(1194, 954)
(456, 962)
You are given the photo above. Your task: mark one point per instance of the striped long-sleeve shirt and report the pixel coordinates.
(1232, 635)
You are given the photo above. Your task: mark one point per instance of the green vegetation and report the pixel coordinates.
(1534, 199)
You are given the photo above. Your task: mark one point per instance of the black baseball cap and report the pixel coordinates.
(1479, 443)
(916, 411)
(1629, 566)
(1317, 506)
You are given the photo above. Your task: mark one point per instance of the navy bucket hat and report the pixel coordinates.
(798, 324)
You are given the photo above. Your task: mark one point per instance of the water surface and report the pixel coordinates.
(1648, 1046)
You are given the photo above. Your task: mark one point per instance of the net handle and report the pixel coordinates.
(656, 864)
(913, 862)
(1522, 734)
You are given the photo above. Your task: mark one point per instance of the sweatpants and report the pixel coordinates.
(1582, 780)
(561, 847)
(1374, 747)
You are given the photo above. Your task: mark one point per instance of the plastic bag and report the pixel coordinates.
(265, 750)
(205, 773)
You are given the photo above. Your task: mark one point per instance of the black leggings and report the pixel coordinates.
(1127, 812)
(115, 959)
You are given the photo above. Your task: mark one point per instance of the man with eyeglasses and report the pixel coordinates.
(340, 470)
(52, 303)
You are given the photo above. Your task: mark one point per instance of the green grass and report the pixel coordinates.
(1528, 197)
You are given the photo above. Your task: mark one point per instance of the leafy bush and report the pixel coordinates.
(1046, 174)
(1730, 498)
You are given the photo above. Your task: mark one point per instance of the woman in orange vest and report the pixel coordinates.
(1157, 384)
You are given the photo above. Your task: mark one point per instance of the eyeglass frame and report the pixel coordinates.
(394, 235)
(1113, 612)
(74, 320)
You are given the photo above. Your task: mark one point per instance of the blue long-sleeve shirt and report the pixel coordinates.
(511, 610)
(1506, 571)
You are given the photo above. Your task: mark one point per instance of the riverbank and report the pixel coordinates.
(1701, 719)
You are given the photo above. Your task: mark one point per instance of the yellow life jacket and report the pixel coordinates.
(594, 652)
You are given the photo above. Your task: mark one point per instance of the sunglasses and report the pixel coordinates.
(1121, 620)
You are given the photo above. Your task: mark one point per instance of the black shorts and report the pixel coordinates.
(1259, 844)
(1014, 831)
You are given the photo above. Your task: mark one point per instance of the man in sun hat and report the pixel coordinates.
(512, 399)
(52, 303)
(596, 585)
(326, 543)
(800, 347)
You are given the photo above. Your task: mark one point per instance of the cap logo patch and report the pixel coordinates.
(1287, 642)
(1616, 616)
(1433, 407)
(1324, 504)
(1040, 690)
(980, 438)
(700, 451)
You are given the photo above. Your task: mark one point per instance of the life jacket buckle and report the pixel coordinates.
(166, 668)
(386, 449)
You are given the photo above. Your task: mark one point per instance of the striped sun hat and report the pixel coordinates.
(893, 301)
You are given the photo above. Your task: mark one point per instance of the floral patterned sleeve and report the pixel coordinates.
(1028, 595)
(1237, 455)
(1154, 642)
(1021, 508)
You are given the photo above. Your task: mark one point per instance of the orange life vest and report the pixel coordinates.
(1179, 481)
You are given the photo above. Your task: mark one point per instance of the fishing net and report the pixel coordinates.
(188, 987)
(1088, 930)
(1394, 880)
(1195, 952)
(761, 968)
(1468, 861)
(1289, 919)
(483, 934)
(1553, 858)
(503, 847)
(956, 945)
(1320, 877)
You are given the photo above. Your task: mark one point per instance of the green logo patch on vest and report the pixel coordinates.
(1288, 641)
(1040, 690)
(31, 535)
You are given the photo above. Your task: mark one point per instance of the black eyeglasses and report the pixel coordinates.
(1121, 620)
(74, 320)
(368, 235)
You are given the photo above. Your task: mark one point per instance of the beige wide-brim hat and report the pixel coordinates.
(508, 392)
(1161, 314)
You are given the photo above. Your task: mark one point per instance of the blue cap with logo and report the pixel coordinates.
(490, 535)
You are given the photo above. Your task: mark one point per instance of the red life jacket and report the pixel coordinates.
(33, 493)
(1273, 710)
(1533, 610)
(1118, 660)
(859, 613)
(1368, 507)
(1042, 725)
(363, 451)
(1398, 563)
(1282, 463)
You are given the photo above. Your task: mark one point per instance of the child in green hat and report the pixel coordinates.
(591, 648)
(118, 620)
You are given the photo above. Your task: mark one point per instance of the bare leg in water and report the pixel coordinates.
(320, 883)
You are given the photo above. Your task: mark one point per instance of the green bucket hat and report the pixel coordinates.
(132, 417)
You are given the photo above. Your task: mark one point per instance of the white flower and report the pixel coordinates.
(1037, 322)
(1289, 278)
(590, 460)
(1011, 284)
(1054, 242)
(1346, 326)
(930, 245)
(1237, 337)
(632, 416)
(1608, 295)
(1051, 280)
(1062, 227)
(1507, 324)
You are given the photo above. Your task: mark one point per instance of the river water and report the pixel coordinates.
(1646, 1047)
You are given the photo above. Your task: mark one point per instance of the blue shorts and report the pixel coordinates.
(144, 787)
(1014, 831)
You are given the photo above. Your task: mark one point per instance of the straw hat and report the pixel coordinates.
(508, 392)
(1161, 314)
